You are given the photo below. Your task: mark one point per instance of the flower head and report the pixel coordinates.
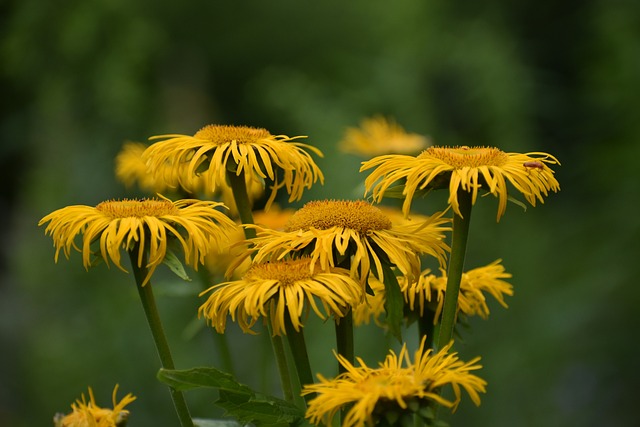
(368, 393)
(148, 223)
(89, 414)
(214, 149)
(131, 168)
(467, 169)
(338, 233)
(429, 291)
(277, 290)
(474, 285)
(378, 135)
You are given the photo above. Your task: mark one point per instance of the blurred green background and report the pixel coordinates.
(79, 78)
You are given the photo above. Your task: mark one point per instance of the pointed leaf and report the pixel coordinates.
(202, 377)
(175, 265)
(259, 409)
(201, 422)
(394, 302)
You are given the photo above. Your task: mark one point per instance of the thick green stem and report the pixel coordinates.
(241, 197)
(456, 265)
(300, 356)
(281, 361)
(344, 339)
(162, 345)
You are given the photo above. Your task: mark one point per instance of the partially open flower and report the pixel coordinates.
(89, 414)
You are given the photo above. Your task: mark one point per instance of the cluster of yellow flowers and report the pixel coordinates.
(345, 259)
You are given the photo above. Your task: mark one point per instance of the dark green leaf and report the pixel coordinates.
(202, 377)
(394, 302)
(259, 409)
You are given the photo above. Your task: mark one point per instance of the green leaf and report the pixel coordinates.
(238, 400)
(259, 409)
(394, 302)
(172, 261)
(189, 379)
(201, 422)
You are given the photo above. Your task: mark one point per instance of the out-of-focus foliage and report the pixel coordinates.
(81, 77)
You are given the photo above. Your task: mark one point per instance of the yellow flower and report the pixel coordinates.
(116, 224)
(277, 290)
(367, 394)
(463, 168)
(429, 290)
(214, 149)
(378, 135)
(372, 306)
(474, 285)
(334, 232)
(275, 218)
(89, 414)
(131, 167)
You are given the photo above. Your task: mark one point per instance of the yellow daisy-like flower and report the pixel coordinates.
(275, 218)
(148, 223)
(277, 290)
(464, 168)
(131, 168)
(333, 232)
(429, 290)
(89, 414)
(214, 149)
(474, 285)
(378, 135)
(368, 394)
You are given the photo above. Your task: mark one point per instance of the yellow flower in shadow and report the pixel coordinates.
(378, 135)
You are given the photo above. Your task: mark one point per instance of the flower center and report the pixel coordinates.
(286, 272)
(356, 215)
(222, 134)
(463, 156)
(137, 208)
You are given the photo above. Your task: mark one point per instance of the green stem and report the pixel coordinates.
(281, 361)
(456, 265)
(241, 197)
(221, 341)
(159, 337)
(344, 339)
(300, 355)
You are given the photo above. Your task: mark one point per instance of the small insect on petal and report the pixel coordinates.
(533, 165)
